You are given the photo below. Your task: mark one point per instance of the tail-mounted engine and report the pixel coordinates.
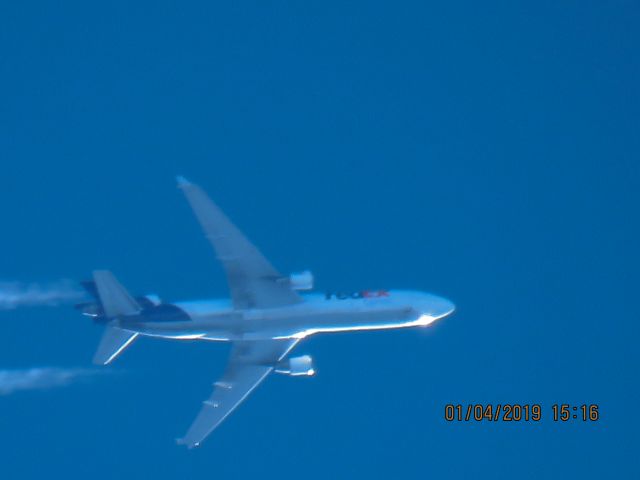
(296, 366)
(95, 307)
(300, 280)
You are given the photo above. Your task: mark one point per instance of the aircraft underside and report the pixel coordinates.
(230, 329)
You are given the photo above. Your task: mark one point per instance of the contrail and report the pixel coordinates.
(12, 381)
(18, 294)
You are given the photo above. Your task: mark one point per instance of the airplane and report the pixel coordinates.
(265, 318)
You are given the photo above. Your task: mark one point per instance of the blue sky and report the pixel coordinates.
(485, 152)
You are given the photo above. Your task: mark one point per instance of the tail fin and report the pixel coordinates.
(116, 302)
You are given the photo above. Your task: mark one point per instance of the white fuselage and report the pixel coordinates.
(317, 313)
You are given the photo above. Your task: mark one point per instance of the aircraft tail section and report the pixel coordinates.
(115, 300)
(113, 343)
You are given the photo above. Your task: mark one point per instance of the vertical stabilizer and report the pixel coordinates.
(116, 302)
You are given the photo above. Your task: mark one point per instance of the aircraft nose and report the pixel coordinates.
(439, 307)
(447, 307)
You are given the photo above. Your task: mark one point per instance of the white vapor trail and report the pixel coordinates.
(18, 294)
(12, 381)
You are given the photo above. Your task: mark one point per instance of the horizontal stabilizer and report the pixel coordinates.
(113, 343)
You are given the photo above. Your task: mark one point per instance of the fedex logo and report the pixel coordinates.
(361, 294)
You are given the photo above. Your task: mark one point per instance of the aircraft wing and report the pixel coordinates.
(250, 362)
(253, 281)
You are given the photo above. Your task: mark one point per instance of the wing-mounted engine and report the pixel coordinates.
(296, 366)
(300, 280)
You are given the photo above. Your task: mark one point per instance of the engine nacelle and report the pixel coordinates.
(301, 280)
(154, 299)
(297, 366)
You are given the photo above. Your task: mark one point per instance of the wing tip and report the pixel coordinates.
(185, 442)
